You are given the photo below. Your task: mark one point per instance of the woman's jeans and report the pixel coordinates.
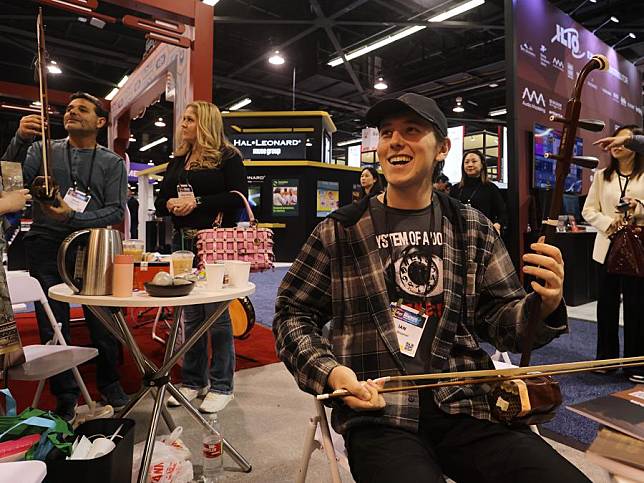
(195, 373)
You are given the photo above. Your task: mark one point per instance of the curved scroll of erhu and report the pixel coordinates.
(44, 188)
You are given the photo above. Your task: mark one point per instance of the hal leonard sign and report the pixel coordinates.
(270, 146)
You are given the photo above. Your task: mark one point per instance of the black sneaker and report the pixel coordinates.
(115, 396)
(66, 410)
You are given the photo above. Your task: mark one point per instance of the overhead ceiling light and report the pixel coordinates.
(238, 105)
(36, 104)
(401, 34)
(150, 163)
(350, 141)
(453, 12)
(380, 84)
(502, 111)
(112, 93)
(276, 58)
(159, 122)
(309, 143)
(493, 85)
(132, 138)
(459, 105)
(153, 143)
(53, 68)
(581, 5)
(171, 156)
(611, 19)
(212, 3)
(630, 35)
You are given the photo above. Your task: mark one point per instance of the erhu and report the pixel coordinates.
(44, 188)
(535, 400)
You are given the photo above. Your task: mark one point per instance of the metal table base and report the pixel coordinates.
(157, 380)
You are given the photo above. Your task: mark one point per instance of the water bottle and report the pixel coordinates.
(212, 447)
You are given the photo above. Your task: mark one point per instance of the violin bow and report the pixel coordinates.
(494, 375)
(564, 159)
(41, 70)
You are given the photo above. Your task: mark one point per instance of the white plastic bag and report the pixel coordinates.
(170, 460)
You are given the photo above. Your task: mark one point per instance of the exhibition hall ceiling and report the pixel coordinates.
(460, 57)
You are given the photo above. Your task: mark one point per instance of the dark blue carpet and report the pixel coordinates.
(578, 345)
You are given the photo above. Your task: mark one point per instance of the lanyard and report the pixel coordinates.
(471, 197)
(392, 270)
(91, 168)
(622, 189)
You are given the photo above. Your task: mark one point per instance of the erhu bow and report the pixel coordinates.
(44, 188)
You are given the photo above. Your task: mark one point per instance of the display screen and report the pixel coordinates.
(548, 140)
(328, 197)
(285, 201)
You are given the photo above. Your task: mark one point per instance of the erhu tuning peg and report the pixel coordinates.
(585, 161)
(594, 125)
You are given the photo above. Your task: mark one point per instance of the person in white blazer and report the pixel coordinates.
(622, 182)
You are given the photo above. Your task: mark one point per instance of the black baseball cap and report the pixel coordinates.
(421, 105)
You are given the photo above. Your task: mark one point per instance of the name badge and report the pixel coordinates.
(410, 324)
(77, 200)
(185, 191)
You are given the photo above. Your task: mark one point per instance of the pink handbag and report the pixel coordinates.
(251, 244)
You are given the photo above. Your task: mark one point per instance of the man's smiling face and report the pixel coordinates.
(408, 150)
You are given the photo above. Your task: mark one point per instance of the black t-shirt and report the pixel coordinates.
(413, 239)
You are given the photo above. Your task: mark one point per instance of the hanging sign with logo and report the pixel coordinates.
(270, 146)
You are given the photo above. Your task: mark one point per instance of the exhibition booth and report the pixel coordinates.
(160, 303)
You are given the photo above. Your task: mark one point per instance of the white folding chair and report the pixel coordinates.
(501, 356)
(319, 435)
(44, 361)
(23, 471)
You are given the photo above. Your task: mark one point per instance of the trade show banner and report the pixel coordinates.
(328, 197)
(550, 53)
(547, 51)
(270, 146)
(285, 201)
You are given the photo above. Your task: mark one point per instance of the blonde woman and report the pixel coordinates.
(197, 185)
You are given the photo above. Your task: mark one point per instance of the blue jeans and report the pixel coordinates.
(195, 373)
(42, 265)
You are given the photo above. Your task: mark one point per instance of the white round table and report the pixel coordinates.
(198, 296)
(108, 309)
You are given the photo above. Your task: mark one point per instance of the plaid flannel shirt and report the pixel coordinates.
(338, 277)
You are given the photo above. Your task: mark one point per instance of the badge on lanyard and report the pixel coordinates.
(410, 324)
(185, 191)
(77, 200)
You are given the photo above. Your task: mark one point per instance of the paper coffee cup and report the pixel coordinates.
(215, 276)
(238, 272)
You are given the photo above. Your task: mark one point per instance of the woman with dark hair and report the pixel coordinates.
(615, 191)
(196, 187)
(370, 184)
(477, 190)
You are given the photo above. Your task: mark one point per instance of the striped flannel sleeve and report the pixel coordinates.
(503, 308)
(302, 308)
